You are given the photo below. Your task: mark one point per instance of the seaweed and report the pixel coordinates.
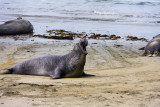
(157, 21)
(106, 37)
(69, 35)
(63, 34)
(134, 38)
(55, 37)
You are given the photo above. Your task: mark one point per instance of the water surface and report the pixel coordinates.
(120, 17)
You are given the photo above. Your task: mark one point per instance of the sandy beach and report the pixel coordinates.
(123, 77)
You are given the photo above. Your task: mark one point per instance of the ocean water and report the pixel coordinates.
(120, 17)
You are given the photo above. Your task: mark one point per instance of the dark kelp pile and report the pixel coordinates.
(69, 35)
(105, 37)
(61, 34)
(134, 38)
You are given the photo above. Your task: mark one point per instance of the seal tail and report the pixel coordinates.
(87, 75)
(8, 71)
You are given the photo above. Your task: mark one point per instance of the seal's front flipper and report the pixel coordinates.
(87, 75)
(55, 77)
(156, 53)
(56, 74)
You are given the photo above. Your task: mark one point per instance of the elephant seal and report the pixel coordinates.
(17, 26)
(70, 65)
(153, 47)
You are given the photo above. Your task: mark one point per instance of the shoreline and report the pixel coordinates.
(142, 30)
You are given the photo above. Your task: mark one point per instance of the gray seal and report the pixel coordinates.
(17, 26)
(70, 65)
(153, 47)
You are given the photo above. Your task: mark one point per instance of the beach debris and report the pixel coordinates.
(55, 37)
(113, 37)
(134, 38)
(117, 45)
(94, 36)
(157, 21)
(105, 37)
(63, 34)
(69, 35)
(94, 43)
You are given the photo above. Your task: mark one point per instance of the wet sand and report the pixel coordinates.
(123, 77)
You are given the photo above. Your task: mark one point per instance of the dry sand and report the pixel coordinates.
(123, 77)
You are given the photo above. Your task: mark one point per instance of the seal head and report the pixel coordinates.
(83, 43)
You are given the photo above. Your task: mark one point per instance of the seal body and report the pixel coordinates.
(79, 67)
(153, 47)
(17, 26)
(70, 65)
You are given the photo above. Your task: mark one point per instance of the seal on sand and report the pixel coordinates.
(70, 65)
(17, 26)
(153, 47)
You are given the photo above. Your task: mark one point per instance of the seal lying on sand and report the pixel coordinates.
(153, 47)
(17, 26)
(70, 65)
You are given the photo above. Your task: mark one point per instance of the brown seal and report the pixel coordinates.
(70, 65)
(17, 26)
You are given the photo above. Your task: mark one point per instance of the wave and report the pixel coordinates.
(145, 3)
(104, 13)
(114, 18)
(100, 0)
(69, 17)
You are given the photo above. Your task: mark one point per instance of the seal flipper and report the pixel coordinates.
(87, 75)
(144, 54)
(56, 74)
(55, 77)
(156, 53)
